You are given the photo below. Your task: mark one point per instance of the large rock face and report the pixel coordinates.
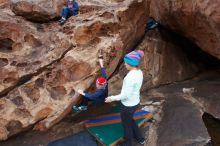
(197, 20)
(26, 48)
(4, 3)
(43, 64)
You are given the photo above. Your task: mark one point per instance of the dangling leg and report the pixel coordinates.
(82, 106)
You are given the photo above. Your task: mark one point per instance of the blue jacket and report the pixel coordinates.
(100, 94)
(74, 7)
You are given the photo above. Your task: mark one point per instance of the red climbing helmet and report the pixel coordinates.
(101, 81)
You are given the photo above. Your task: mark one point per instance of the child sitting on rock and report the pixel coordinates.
(99, 95)
(72, 8)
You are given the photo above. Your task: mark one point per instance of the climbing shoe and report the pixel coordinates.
(79, 109)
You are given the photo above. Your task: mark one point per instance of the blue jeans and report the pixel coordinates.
(68, 12)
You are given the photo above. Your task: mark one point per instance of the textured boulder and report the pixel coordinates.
(38, 11)
(4, 3)
(43, 64)
(25, 49)
(197, 20)
(45, 11)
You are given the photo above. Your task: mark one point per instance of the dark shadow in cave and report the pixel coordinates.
(194, 54)
(213, 126)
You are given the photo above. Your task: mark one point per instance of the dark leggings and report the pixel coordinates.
(131, 129)
(84, 102)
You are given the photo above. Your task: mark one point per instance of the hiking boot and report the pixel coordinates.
(62, 21)
(79, 109)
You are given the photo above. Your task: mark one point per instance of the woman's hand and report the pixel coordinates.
(108, 99)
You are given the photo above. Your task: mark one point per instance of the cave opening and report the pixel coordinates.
(193, 52)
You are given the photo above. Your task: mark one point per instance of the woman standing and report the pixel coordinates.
(130, 97)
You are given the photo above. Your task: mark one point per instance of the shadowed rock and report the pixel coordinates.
(213, 127)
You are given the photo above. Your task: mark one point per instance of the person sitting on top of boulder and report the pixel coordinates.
(72, 8)
(99, 95)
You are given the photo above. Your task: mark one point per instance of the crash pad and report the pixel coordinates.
(108, 130)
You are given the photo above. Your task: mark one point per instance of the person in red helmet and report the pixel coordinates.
(99, 95)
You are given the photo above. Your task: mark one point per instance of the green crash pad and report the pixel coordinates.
(108, 129)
